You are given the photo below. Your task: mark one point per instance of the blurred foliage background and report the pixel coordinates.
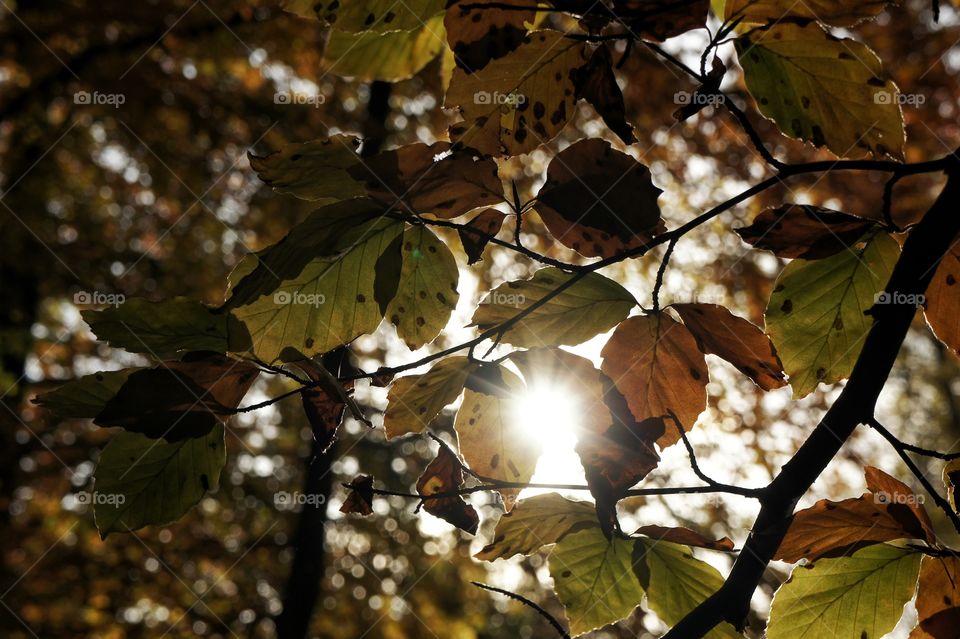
(155, 198)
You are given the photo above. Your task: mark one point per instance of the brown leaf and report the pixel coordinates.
(938, 599)
(943, 301)
(360, 499)
(488, 222)
(443, 475)
(596, 83)
(662, 19)
(655, 363)
(889, 511)
(413, 179)
(480, 34)
(179, 399)
(808, 232)
(685, 536)
(721, 333)
(324, 404)
(903, 504)
(599, 201)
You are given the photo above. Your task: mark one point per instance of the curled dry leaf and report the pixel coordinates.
(444, 475)
(485, 227)
(800, 230)
(360, 499)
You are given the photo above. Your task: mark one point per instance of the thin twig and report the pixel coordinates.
(902, 452)
(660, 273)
(543, 613)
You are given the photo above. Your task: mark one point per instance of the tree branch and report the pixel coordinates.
(923, 250)
(543, 613)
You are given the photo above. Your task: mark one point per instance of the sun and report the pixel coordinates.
(551, 415)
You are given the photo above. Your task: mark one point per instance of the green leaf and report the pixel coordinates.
(492, 440)
(391, 57)
(142, 481)
(314, 170)
(536, 522)
(594, 579)
(414, 401)
(427, 292)
(847, 598)
(676, 582)
(355, 16)
(815, 315)
(326, 233)
(591, 306)
(841, 13)
(86, 396)
(329, 304)
(162, 329)
(822, 89)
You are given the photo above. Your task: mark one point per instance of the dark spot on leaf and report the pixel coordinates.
(787, 306)
(494, 461)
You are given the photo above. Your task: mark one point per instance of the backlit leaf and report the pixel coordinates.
(656, 365)
(487, 223)
(390, 57)
(599, 201)
(427, 291)
(492, 440)
(905, 505)
(594, 579)
(938, 598)
(480, 34)
(519, 101)
(590, 306)
(799, 230)
(676, 582)
(815, 315)
(822, 89)
(141, 481)
(324, 403)
(662, 19)
(942, 308)
(359, 501)
(535, 522)
(839, 13)
(354, 16)
(719, 332)
(597, 84)
(314, 170)
(414, 401)
(179, 399)
(330, 303)
(847, 598)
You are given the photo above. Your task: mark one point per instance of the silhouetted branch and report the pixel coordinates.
(543, 613)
